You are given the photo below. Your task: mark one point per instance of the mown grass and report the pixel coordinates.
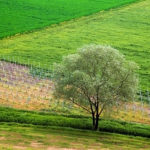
(126, 28)
(22, 136)
(73, 121)
(18, 16)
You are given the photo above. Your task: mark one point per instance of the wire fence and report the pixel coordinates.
(24, 83)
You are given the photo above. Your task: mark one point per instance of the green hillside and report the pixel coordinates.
(35, 34)
(24, 15)
(15, 136)
(126, 28)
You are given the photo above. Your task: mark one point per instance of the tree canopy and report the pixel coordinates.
(94, 78)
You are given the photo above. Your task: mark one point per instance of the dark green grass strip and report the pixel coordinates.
(78, 122)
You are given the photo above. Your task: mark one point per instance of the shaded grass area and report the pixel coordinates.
(37, 137)
(73, 121)
(126, 28)
(20, 15)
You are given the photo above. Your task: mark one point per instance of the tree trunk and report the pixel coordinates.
(95, 121)
(93, 117)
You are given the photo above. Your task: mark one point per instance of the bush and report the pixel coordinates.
(78, 122)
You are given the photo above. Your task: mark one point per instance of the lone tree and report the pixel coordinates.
(95, 78)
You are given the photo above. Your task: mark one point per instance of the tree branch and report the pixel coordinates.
(102, 109)
(80, 106)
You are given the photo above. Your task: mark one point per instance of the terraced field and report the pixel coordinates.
(126, 28)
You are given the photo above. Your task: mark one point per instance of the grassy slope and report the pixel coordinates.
(20, 15)
(16, 136)
(73, 121)
(127, 29)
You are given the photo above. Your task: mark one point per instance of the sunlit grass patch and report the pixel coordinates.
(54, 137)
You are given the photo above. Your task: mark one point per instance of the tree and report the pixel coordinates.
(94, 78)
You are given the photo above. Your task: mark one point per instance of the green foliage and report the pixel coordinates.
(125, 128)
(78, 122)
(18, 16)
(41, 73)
(96, 74)
(120, 28)
(94, 78)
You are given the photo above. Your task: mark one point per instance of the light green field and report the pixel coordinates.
(126, 28)
(18, 137)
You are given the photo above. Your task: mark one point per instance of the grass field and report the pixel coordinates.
(76, 121)
(126, 28)
(39, 121)
(21, 137)
(20, 15)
